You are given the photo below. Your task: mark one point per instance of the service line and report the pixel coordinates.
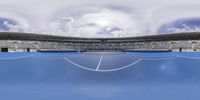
(99, 62)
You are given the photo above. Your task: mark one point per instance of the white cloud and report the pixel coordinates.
(185, 28)
(20, 23)
(102, 22)
(89, 18)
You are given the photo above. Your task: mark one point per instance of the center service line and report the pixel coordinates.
(99, 62)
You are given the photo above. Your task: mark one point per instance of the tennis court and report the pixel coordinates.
(100, 76)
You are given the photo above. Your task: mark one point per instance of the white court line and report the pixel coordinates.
(103, 70)
(16, 57)
(52, 57)
(151, 58)
(162, 58)
(122, 67)
(22, 57)
(187, 57)
(99, 62)
(78, 65)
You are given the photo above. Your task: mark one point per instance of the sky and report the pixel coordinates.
(103, 18)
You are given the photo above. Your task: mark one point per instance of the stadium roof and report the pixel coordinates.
(42, 37)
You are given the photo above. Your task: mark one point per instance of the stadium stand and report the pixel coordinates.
(29, 42)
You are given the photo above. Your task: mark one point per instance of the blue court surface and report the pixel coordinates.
(100, 76)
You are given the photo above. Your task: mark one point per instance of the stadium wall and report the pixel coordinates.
(29, 42)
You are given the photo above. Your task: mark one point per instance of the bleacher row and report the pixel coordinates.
(23, 45)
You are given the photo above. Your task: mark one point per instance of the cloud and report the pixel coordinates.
(13, 22)
(98, 22)
(89, 18)
(174, 14)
